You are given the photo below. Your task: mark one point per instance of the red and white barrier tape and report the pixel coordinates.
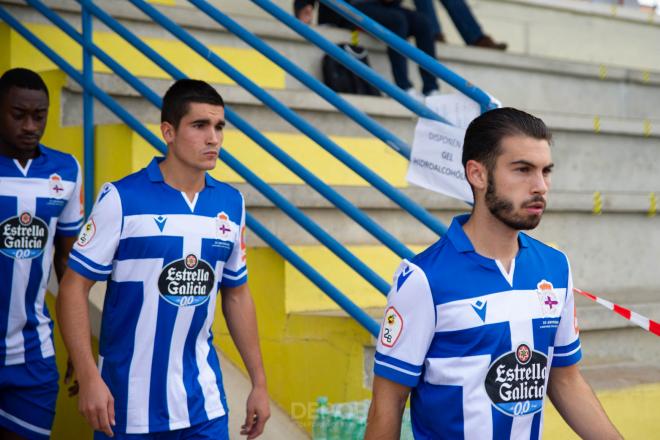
(645, 323)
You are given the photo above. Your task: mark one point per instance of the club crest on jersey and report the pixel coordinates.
(223, 226)
(23, 237)
(86, 233)
(392, 327)
(515, 382)
(55, 186)
(548, 298)
(186, 282)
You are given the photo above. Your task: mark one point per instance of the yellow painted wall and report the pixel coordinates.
(635, 411)
(249, 62)
(68, 424)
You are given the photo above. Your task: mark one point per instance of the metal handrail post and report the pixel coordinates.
(321, 139)
(362, 70)
(88, 112)
(314, 84)
(397, 43)
(353, 310)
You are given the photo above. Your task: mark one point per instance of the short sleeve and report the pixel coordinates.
(567, 349)
(92, 254)
(234, 272)
(407, 328)
(71, 218)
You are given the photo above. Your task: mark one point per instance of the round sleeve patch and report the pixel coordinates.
(392, 327)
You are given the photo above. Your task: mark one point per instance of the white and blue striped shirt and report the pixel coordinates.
(37, 202)
(475, 342)
(164, 258)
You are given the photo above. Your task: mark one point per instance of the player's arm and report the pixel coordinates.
(239, 312)
(578, 405)
(95, 401)
(63, 245)
(387, 405)
(405, 336)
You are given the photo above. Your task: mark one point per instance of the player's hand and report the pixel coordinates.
(70, 378)
(97, 405)
(258, 411)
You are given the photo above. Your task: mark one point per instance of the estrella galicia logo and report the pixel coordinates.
(23, 237)
(186, 282)
(515, 381)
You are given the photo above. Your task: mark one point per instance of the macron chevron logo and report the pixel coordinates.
(405, 273)
(480, 308)
(160, 222)
(104, 192)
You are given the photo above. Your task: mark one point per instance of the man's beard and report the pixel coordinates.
(502, 209)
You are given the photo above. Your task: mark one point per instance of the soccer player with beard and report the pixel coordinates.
(481, 326)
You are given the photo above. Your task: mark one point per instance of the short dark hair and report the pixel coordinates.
(181, 94)
(21, 78)
(484, 135)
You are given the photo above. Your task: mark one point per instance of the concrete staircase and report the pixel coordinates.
(600, 102)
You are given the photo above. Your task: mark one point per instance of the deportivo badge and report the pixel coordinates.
(548, 298)
(55, 186)
(223, 226)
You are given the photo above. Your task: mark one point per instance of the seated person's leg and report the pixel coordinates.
(394, 20)
(420, 28)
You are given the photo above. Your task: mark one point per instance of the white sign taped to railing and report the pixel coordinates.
(435, 160)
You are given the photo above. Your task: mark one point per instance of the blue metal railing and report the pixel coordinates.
(402, 46)
(349, 61)
(314, 84)
(369, 323)
(301, 124)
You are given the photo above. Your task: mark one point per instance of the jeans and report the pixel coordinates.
(460, 14)
(405, 23)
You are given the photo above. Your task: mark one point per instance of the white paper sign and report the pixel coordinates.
(435, 160)
(458, 109)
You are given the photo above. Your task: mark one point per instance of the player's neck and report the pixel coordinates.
(490, 237)
(183, 178)
(22, 156)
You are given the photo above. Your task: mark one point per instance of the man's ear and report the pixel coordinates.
(168, 132)
(476, 174)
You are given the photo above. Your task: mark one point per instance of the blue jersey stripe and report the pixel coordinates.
(567, 348)
(90, 263)
(190, 367)
(416, 369)
(158, 388)
(8, 208)
(121, 308)
(30, 336)
(501, 424)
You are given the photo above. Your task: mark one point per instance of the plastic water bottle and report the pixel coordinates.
(322, 420)
(360, 428)
(348, 421)
(335, 430)
(406, 426)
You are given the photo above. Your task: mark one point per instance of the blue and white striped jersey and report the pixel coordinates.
(166, 258)
(476, 343)
(37, 202)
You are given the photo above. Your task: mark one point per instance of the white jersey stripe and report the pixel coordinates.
(13, 186)
(137, 413)
(24, 424)
(208, 380)
(521, 333)
(20, 279)
(178, 409)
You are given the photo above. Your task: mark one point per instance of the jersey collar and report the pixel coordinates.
(156, 175)
(460, 240)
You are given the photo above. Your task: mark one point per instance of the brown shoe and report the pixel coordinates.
(488, 43)
(440, 38)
